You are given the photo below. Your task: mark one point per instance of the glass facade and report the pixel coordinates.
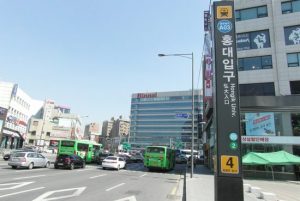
(255, 63)
(257, 89)
(164, 119)
(295, 87)
(290, 6)
(251, 13)
(293, 59)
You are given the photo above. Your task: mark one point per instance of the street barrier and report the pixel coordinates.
(268, 196)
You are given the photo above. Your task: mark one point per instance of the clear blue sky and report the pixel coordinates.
(93, 54)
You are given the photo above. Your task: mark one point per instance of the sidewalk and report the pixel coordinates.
(201, 187)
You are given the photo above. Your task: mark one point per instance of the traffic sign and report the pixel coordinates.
(229, 164)
(182, 115)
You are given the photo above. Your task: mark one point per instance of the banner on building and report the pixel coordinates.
(260, 123)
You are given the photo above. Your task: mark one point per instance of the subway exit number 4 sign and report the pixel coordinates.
(229, 164)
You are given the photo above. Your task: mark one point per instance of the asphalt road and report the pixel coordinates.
(92, 183)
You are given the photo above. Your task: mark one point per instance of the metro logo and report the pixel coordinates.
(224, 12)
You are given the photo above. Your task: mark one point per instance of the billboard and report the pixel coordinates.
(260, 124)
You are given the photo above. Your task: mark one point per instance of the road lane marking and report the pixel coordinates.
(174, 190)
(115, 187)
(29, 177)
(31, 170)
(34, 189)
(101, 175)
(143, 175)
(85, 169)
(131, 198)
(45, 196)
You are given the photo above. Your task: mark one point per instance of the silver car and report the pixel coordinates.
(29, 160)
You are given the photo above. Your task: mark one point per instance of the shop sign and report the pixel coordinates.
(287, 140)
(206, 20)
(146, 95)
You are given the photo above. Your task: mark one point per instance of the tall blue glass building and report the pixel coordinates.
(164, 118)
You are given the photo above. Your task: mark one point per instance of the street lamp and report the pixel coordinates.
(191, 57)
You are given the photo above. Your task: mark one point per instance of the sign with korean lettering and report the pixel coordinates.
(229, 164)
(227, 114)
(260, 123)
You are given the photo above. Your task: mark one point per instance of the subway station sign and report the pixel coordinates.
(227, 90)
(228, 175)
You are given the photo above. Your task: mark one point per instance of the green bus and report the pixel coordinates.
(159, 157)
(84, 148)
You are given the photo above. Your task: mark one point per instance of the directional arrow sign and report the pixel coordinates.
(9, 186)
(182, 115)
(72, 193)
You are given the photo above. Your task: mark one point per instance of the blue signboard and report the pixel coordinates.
(260, 123)
(182, 115)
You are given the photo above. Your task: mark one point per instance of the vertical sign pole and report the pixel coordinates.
(228, 175)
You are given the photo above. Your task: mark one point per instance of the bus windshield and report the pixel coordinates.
(67, 143)
(156, 150)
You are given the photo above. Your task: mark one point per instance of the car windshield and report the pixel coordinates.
(64, 156)
(111, 158)
(19, 154)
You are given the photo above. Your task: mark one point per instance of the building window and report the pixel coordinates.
(293, 59)
(253, 40)
(255, 63)
(35, 123)
(48, 134)
(251, 13)
(296, 123)
(257, 89)
(290, 6)
(33, 133)
(31, 141)
(295, 87)
(292, 35)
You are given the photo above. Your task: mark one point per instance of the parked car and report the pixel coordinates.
(128, 158)
(29, 160)
(7, 156)
(101, 156)
(181, 159)
(69, 161)
(137, 158)
(113, 162)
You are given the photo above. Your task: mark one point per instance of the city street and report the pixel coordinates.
(91, 183)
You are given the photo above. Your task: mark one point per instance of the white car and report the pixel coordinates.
(113, 162)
